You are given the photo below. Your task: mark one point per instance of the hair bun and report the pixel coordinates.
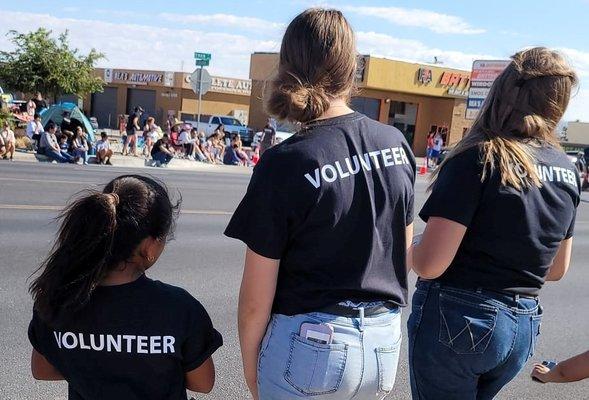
(292, 100)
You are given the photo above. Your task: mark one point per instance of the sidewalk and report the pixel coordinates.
(140, 162)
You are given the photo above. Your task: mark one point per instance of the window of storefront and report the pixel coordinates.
(403, 116)
(367, 106)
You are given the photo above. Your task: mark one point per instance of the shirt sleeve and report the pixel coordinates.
(457, 190)
(202, 339)
(34, 333)
(261, 219)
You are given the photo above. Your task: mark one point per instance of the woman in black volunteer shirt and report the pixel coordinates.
(499, 224)
(326, 219)
(99, 322)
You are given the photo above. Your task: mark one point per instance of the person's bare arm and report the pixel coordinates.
(439, 244)
(408, 245)
(201, 379)
(561, 262)
(574, 369)
(42, 369)
(258, 287)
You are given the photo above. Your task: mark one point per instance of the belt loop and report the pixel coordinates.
(361, 312)
(516, 297)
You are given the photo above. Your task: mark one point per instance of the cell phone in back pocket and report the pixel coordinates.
(319, 333)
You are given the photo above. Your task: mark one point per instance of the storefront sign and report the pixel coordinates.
(457, 83)
(483, 74)
(361, 68)
(227, 85)
(138, 77)
(424, 76)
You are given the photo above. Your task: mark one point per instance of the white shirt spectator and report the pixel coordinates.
(34, 127)
(102, 145)
(7, 136)
(438, 142)
(185, 138)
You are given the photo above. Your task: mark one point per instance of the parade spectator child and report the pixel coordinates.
(7, 142)
(51, 148)
(150, 135)
(132, 128)
(99, 322)
(186, 141)
(80, 145)
(429, 148)
(204, 148)
(571, 370)
(103, 151)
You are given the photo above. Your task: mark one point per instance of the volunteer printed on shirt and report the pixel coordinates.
(328, 196)
(501, 250)
(146, 331)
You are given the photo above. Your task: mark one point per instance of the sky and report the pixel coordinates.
(163, 35)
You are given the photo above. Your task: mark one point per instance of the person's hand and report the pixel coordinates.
(541, 372)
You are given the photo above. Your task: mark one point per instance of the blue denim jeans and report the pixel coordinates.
(360, 363)
(162, 157)
(468, 344)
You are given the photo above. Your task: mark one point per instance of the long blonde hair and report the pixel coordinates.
(521, 113)
(317, 64)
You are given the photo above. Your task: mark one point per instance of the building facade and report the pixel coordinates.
(164, 93)
(412, 97)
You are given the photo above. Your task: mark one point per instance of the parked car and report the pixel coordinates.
(232, 125)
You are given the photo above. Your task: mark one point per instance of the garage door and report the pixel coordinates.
(104, 108)
(144, 98)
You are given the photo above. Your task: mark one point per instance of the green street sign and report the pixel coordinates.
(202, 56)
(201, 63)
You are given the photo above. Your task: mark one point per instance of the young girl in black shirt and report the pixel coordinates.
(500, 223)
(99, 322)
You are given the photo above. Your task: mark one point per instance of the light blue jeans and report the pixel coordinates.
(360, 363)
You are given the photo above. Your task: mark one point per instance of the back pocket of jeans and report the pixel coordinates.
(315, 368)
(466, 327)
(387, 359)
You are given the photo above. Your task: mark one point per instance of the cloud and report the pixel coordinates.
(225, 20)
(436, 22)
(146, 47)
(381, 45)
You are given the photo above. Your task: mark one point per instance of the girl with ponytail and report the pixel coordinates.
(99, 322)
(500, 221)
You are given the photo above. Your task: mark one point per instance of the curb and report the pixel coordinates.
(140, 162)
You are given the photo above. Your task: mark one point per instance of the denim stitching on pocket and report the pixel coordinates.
(449, 342)
(379, 351)
(318, 347)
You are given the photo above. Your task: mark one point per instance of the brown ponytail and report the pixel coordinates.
(317, 64)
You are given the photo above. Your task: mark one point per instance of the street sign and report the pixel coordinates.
(202, 56)
(201, 63)
(196, 82)
(481, 79)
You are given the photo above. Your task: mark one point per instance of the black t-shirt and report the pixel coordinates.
(156, 147)
(131, 122)
(132, 341)
(512, 235)
(332, 203)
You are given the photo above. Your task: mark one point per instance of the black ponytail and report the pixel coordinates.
(98, 232)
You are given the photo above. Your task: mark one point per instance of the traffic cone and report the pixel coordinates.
(423, 169)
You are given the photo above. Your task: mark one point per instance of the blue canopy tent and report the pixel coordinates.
(57, 112)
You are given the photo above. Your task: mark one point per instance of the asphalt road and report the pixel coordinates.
(209, 265)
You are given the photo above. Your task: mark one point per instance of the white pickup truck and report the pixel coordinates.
(208, 124)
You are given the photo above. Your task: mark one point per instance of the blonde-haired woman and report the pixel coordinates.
(326, 220)
(500, 221)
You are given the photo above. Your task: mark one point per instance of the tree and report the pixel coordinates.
(41, 63)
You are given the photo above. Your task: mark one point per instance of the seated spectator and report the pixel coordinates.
(79, 145)
(162, 152)
(34, 130)
(7, 142)
(198, 154)
(150, 135)
(103, 151)
(216, 148)
(572, 370)
(241, 154)
(230, 156)
(187, 142)
(50, 147)
(202, 145)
